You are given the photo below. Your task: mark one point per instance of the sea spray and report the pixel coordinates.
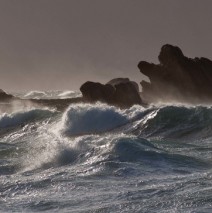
(178, 122)
(35, 94)
(91, 119)
(69, 94)
(22, 117)
(142, 164)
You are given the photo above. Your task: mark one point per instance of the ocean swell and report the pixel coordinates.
(91, 119)
(23, 117)
(177, 121)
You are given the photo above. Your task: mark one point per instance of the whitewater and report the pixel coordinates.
(99, 158)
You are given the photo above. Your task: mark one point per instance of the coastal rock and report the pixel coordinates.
(4, 96)
(126, 92)
(93, 92)
(117, 81)
(119, 92)
(177, 78)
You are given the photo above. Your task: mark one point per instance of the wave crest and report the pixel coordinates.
(177, 121)
(35, 94)
(22, 117)
(87, 119)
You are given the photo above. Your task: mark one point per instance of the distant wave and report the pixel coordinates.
(22, 117)
(35, 94)
(69, 94)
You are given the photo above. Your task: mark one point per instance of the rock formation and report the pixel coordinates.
(119, 92)
(4, 96)
(177, 78)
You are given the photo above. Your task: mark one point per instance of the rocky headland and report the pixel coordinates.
(120, 92)
(176, 78)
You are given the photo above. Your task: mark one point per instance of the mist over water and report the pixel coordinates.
(98, 158)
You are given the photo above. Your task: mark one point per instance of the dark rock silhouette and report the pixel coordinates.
(177, 78)
(114, 82)
(119, 92)
(4, 96)
(93, 91)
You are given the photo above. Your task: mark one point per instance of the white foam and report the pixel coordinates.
(66, 93)
(21, 117)
(35, 94)
(87, 119)
(69, 94)
(134, 111)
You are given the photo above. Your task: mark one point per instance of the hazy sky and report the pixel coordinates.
(59, 44)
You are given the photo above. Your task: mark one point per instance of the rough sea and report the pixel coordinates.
(98, 158)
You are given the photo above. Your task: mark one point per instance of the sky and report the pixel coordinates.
(60, 44)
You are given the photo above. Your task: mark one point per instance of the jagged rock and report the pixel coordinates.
(120, 92)
(177, 78)
(4, 96)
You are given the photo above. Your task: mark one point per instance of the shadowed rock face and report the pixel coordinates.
(177, 78)
(4, 96)
(119, 92)
(93, 92)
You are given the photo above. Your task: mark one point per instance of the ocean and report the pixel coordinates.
(98, 158)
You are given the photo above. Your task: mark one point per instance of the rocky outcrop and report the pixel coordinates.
(177, 78)
(93, 91)
(4, 96)
(119, 92)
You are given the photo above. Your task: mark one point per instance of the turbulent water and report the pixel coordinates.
(98, 158)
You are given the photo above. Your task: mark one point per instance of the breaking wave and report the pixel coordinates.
(22, 117)
(35, 94)
(90, 119)
(178, 121)
(133, 160)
